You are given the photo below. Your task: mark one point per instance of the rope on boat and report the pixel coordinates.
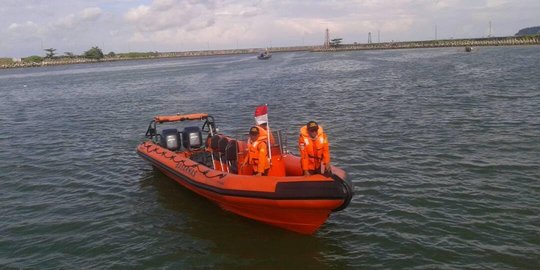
(168, 155)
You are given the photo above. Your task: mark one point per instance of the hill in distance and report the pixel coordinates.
(529, 31)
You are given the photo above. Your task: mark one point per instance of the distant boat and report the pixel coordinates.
(264, 55)
(468, 49)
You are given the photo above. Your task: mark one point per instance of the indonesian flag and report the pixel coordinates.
(261, 114)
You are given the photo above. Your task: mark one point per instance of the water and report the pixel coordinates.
(443, 147)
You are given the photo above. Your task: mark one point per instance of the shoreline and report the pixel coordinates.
(447, 43)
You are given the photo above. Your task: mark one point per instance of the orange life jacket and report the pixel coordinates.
(313, 151)
(258, 154)
(264, 132)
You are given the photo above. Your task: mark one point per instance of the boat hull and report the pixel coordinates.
(296, 203)
(264, 57)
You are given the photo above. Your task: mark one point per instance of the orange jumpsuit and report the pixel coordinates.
(258, 155)
(313, 151)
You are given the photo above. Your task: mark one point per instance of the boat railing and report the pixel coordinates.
(282, 141)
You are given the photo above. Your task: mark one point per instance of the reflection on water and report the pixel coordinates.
(226, 240)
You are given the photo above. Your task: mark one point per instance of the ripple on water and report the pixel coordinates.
(445, 166)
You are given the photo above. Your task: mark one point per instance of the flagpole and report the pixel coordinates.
(269, 133)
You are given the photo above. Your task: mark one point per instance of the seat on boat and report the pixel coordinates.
(222, 145)
(214, 142)
(207, 142)
(231, 156)
(214, 151)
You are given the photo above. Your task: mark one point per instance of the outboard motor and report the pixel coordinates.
(170, 139)
(192, 137)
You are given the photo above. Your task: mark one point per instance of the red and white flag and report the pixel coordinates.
(261, 114)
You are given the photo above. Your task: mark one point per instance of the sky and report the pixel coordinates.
(27, 27)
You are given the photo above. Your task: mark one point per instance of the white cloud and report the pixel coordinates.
(24, 30)
(90, 14)
(137, 13)
(75, 20)
(29, 25)
(171, 14)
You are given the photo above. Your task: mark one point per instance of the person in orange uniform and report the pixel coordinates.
(314, 149)
(258, 152)
(263, 129)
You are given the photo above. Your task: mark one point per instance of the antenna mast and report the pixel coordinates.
(327, 39)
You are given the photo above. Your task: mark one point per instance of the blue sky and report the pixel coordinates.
(29, 26)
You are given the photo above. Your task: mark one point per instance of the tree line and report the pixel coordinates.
(94, 53)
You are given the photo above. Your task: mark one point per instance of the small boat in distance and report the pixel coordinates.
(209, 164)
(264, 55)
(468, 49)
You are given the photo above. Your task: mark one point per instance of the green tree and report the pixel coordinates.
(335, 42)
(94, 53)
(33, 59)
(50, 53)
(111, 55)
(69, 54)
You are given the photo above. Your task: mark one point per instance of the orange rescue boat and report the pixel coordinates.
(210, 167)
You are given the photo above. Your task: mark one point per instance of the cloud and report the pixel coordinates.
(88, 15)
(129, 25)
(24, 31)
(163, 15)
(137, 14)
(27, 26)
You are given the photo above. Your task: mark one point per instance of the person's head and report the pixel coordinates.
(313, 128)
(253, 133)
